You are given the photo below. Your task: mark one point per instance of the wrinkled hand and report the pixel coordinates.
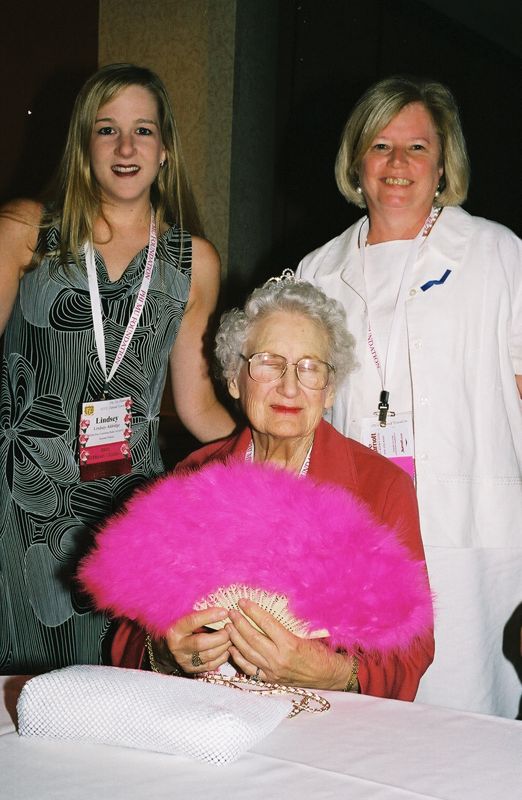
(281, 656)
(186, 638)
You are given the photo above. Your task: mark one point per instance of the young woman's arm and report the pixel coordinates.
(194, 398)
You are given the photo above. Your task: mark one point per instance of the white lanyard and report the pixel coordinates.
(385, 368)
(96, 308)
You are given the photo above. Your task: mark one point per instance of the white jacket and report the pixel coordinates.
(465, 346)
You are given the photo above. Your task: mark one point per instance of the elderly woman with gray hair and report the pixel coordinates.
(282, 358)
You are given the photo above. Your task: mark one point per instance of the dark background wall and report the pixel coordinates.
(46, 52)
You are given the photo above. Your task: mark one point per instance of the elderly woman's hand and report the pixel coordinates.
(278, 656)
(194, 649)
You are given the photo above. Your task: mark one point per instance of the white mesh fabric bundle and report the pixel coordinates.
(148, 711)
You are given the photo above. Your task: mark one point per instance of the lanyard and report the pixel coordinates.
(96, 308)
(385, 368)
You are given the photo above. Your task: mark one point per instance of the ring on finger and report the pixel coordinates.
(255, 676)
(196, 659)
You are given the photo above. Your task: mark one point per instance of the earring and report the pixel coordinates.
(358, 190)
(162, 163)
(437, 192)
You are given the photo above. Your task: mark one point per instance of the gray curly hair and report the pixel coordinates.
(285, 294)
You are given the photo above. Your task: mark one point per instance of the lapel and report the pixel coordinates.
(332, 459)
(350, 259)
(237, 446)
(446, 245)
(340, 258)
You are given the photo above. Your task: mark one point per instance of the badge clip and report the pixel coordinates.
(384, 408)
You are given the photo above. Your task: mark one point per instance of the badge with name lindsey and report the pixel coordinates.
(104, 438)
(395, 441)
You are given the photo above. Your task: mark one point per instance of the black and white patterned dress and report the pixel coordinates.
(49, 366)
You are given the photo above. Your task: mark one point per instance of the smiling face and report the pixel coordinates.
(401, 169)
(284, 409)
(126, 147)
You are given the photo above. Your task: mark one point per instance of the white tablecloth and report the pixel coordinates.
(362, 748)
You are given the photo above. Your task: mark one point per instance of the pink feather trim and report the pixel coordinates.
(189, 534)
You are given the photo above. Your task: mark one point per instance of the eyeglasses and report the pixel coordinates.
(267, 367)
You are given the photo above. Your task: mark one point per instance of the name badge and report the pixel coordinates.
(104, 438)
(395, 441)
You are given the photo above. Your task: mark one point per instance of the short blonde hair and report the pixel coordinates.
(375, 110)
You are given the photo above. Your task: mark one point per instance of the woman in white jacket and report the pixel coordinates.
(434, 299)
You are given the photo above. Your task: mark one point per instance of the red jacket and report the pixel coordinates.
(389, 493)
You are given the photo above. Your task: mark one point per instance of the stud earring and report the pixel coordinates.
(358, 190)
(162, 163)
(437, 191)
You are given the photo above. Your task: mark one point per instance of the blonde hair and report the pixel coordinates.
(76, 197)
(375, 110)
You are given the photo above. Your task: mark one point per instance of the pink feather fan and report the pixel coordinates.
(249, 524)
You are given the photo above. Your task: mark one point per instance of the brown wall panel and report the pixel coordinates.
(190, 44)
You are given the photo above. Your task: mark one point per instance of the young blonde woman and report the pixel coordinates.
(101, 288)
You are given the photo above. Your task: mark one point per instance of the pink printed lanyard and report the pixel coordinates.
(96, 308)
